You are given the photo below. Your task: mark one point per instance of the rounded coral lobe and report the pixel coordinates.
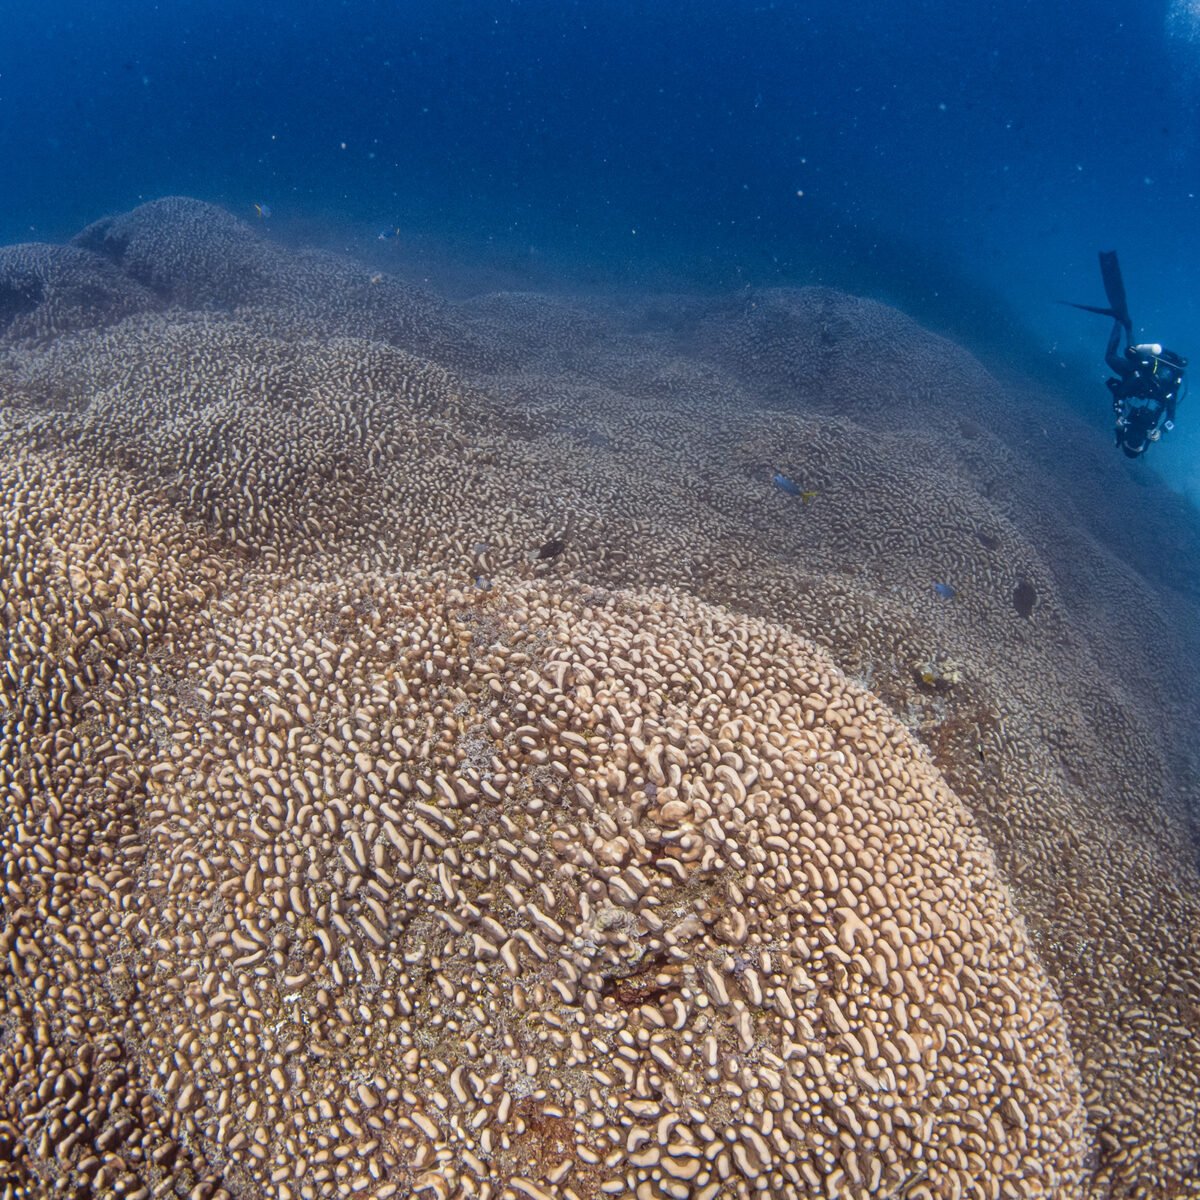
(617, 890)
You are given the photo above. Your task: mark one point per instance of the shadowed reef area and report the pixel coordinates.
(437, 760)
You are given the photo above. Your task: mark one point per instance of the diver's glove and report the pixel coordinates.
(1122, 422)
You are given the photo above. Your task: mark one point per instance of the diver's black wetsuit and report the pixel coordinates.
(1148, 380)
(1141, 376)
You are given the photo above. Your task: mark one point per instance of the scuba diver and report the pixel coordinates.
(1148, 380)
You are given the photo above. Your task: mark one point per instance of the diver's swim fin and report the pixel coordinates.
(1104, 312)
(1114, 289)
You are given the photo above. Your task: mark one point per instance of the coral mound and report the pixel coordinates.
(816, 346)
(48, 290)
(188, 252)
(378, 883)
(196, 256)
(287, 540)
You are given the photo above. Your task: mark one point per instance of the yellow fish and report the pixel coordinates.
(807, 497)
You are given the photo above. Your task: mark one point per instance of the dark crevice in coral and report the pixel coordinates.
(18, 297)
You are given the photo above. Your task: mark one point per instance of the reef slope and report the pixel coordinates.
(437, 756)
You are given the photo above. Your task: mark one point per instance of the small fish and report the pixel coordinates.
(390, 232)
(944, 590)
(784, 484)
(263, 211)
(807, 497)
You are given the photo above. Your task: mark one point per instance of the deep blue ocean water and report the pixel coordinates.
(965, 162)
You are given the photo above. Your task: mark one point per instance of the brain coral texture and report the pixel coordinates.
(438, 762)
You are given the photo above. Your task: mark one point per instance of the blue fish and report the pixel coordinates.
(390, 232)
(945, 591)
(784, 484)
(263, 210)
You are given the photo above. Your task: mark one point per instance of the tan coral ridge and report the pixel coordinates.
(93, 585)
(532, 893)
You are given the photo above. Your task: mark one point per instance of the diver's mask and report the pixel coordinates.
(1133, 437)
